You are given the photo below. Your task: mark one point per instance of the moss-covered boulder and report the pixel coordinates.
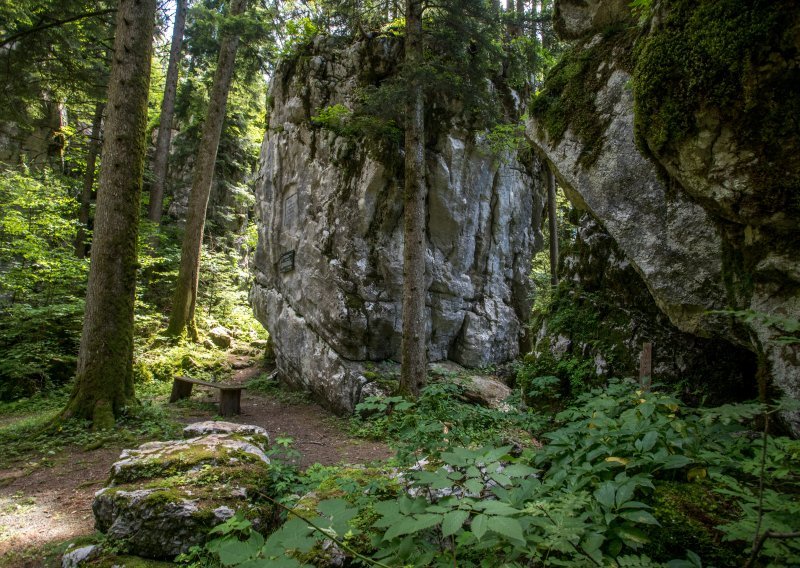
(163, 497)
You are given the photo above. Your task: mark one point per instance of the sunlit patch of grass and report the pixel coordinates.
(17, 504)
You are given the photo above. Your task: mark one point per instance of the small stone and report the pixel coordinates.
(487, 391)
(242, 364)
(223, 513)
(79, 556)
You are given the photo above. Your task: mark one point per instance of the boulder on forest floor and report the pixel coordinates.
(163, 497)
(220, 336)
(485, 390)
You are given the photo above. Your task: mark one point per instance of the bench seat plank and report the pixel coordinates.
(207, 384)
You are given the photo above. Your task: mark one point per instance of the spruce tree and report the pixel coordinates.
(185, 297)
(161, 154)
(104, 384)
(414, 349)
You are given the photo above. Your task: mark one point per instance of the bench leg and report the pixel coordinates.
(180, 389)
(229, 402)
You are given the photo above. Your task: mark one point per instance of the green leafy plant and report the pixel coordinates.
(42, 283)
(437, 420)
(786, 325)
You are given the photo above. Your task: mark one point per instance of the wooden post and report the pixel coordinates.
(646, 366)
(180, 389)
(229, 402)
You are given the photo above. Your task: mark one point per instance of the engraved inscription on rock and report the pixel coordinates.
(290, 211)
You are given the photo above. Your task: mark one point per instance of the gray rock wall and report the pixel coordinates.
(701, 234)
(602, 313)
(336, 203)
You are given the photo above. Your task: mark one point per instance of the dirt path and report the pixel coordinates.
(50, 501)
(318, 435)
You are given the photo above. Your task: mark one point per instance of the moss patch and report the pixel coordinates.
(689, 513)
(164, 465)
(735, 59)
(125, 561)
(568, 97)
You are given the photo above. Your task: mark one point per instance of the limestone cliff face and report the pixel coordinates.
(329, 267)
(705, 207)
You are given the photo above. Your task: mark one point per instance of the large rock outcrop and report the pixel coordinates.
(329, 264)
(697, 207)
(163, 497)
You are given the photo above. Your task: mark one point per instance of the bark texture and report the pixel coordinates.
(185, 299)
(105, 361)
(88, 181)
(414, 356)
(167, 111)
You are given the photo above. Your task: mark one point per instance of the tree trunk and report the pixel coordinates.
(88, 181)
(553, 224)
(167, 111)
(185, 299)
(104, 384)
(414, 356)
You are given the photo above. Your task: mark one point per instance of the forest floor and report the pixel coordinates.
(48, 501)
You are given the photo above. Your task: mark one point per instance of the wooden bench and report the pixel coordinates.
(229, 395)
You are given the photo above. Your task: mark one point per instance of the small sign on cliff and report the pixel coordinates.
(286, 262)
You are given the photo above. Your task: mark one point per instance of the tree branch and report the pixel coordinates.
(763, 538)
(54, 24)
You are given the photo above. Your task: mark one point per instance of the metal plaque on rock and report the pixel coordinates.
(286, 262)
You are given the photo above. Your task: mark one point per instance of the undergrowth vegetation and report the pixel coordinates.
(43, 284)
(31, 434)
(609, 484)
(42, 289)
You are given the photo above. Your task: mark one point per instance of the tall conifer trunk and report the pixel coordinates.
(185, 299)
(104, 383)
(88, 180)
(414, 356)
(167, 111)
